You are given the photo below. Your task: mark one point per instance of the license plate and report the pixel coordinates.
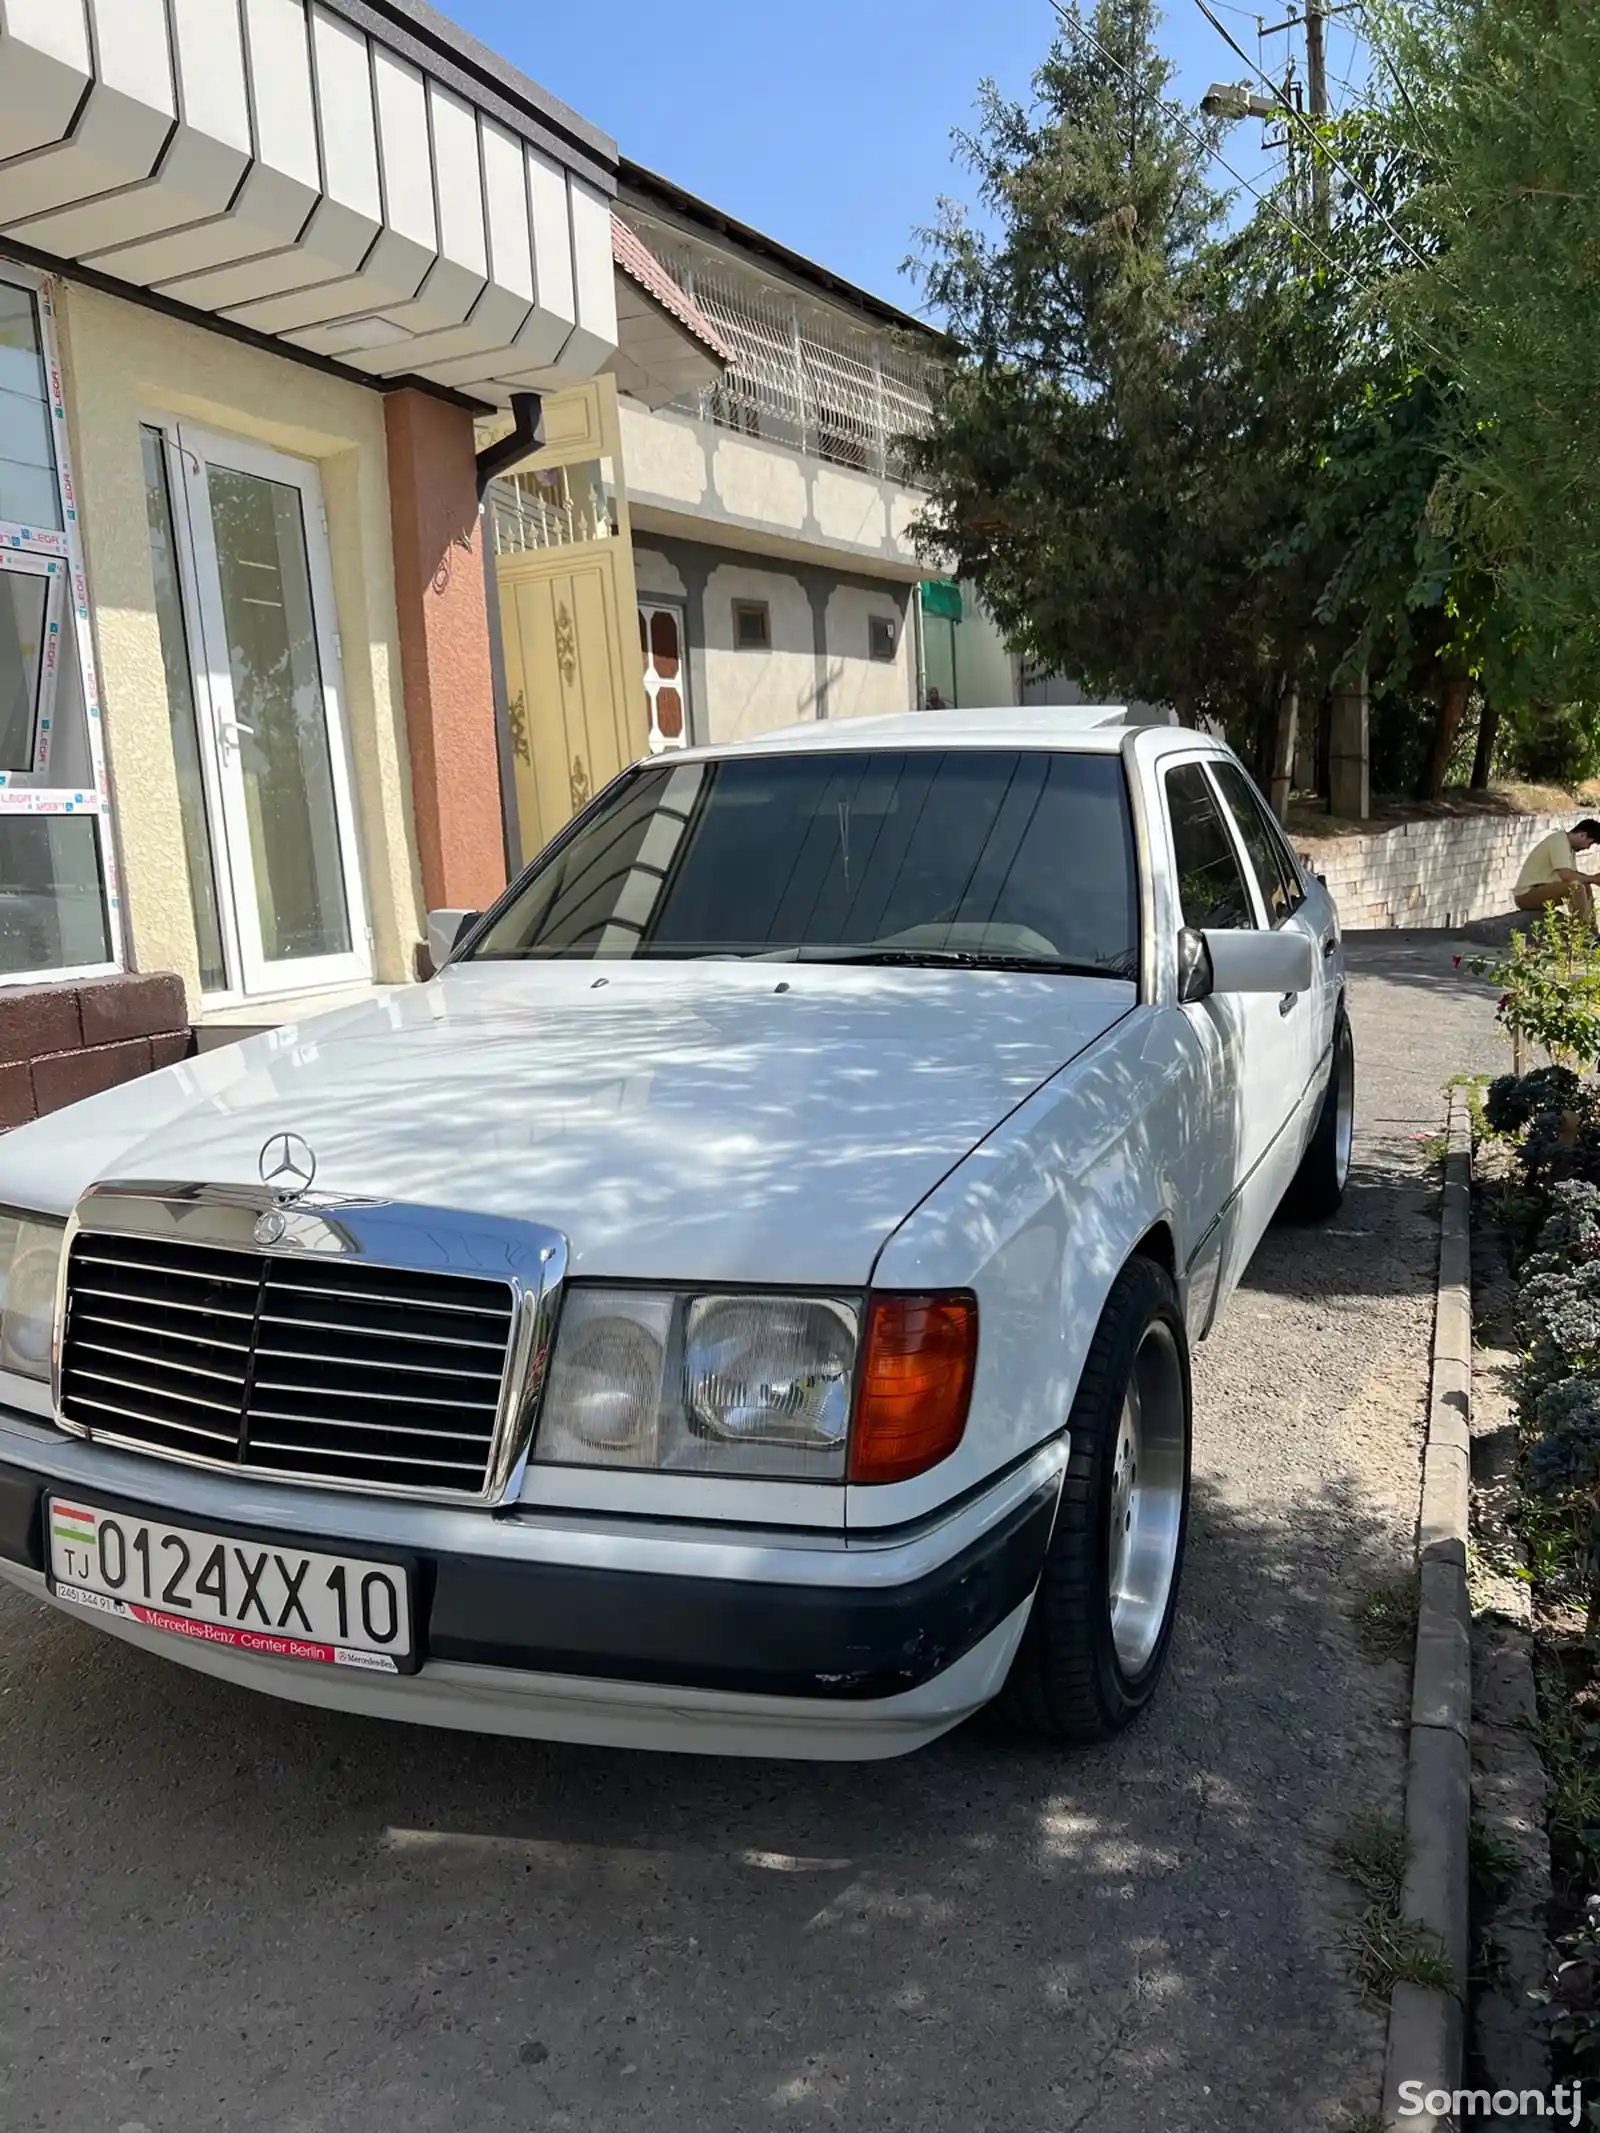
(216, 1588)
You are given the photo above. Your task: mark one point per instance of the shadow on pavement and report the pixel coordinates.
(237, 1912)
(1418, 958)
(1384, 1241)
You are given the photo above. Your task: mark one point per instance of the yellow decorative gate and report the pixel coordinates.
(568, 613)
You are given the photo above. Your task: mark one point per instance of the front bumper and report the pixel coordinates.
(621, 1632)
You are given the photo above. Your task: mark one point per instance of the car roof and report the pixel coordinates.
(1089, 728)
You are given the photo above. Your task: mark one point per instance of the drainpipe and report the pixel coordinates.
(526, 437)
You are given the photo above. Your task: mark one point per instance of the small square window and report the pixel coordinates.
(752, 626)
(881, 634)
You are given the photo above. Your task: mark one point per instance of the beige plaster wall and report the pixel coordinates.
(860, 686)
(753, 692)
(665, 458)
(849, 508)
(123, 363)
(754, 481)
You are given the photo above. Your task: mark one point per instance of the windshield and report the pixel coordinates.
(991, 857)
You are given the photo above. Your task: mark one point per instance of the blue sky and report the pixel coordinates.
(827, 124)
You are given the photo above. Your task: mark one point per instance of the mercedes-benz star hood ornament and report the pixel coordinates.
(287, 1165)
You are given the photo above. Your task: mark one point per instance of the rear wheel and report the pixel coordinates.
(1319, 1184)
(1096, 1641)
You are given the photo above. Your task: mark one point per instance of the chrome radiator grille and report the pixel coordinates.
(326, 1369)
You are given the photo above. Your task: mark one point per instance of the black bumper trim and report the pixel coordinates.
(827, 1642)
(21, 1518)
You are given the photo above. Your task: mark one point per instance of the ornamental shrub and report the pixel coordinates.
(1554, 1118)
(1514, 1098)
(1570, 1235)
(1563, 1456)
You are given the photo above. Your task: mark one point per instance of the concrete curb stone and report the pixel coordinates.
(1426, 2028)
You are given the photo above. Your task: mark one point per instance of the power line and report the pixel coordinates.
(1305, 124)
(1180, 119)
(1406, 98)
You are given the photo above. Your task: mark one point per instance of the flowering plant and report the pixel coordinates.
(1550, 986)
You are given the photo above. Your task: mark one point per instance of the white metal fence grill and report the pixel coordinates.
(552, 508)
(801, 375)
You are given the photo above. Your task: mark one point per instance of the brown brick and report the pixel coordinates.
(67, 1076)
(38, 1018)
(137, 1005)
(16, 1095)
(167, 1051)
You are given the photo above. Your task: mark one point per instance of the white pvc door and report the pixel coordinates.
(269, 659)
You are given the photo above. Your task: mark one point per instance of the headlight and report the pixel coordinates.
(745, 1385)
(30, 1259)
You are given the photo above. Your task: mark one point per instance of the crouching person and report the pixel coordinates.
(1551, 874)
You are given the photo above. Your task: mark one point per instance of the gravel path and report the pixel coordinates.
(219, 1911)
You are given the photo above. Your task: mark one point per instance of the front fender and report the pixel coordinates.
(1038, 1221)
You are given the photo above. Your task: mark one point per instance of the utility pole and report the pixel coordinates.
(1349, 740)
(1317, 102)
(1348, 712)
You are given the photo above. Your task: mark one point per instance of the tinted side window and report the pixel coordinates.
(1280, 886)
(1211, 890)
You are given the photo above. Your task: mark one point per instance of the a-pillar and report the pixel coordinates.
(444, 651)
(1349, 786)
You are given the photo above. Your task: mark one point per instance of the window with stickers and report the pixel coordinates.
(57, 897)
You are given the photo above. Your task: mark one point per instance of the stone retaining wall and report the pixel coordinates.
(1438, 873)
(60, 1042)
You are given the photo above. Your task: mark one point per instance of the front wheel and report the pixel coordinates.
(1096, 1640)
(1317, 1190)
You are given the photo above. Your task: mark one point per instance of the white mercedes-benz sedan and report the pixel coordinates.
(743, 1301)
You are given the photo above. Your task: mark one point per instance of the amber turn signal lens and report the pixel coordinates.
(915, 1385)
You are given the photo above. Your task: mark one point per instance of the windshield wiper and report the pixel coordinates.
(939, 959)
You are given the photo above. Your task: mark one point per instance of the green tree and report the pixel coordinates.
(1505, 96)
(1178, 460)
(1073, 459)
(1195, 464)
(1402, 591)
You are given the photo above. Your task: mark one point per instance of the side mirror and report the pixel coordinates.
(1245, 961)
(445, 928)
(1196, 978)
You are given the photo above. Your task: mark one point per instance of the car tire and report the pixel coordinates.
(1318, 1187)
(1096, 1640)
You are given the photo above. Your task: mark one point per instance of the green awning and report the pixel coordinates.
(941, 597)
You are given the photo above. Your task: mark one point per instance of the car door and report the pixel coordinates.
(1282, 902)
(1293, 906)
(1260, 1041)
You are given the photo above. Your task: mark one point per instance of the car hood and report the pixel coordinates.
(698, 1121)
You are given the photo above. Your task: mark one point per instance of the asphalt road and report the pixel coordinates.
(223, 1912)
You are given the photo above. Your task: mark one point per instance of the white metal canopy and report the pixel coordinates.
(315, 171)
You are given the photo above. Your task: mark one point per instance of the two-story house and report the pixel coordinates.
(747, 497)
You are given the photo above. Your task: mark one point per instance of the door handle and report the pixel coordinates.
(1329, 944)
(231, 728)
(1286, 1004)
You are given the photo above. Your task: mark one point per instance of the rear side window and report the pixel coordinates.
(1211, 890)
(1281, 891)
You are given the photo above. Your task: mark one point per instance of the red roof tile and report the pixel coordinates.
(641, 265)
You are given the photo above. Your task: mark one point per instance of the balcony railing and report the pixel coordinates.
(802, 375)
(553, 507)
